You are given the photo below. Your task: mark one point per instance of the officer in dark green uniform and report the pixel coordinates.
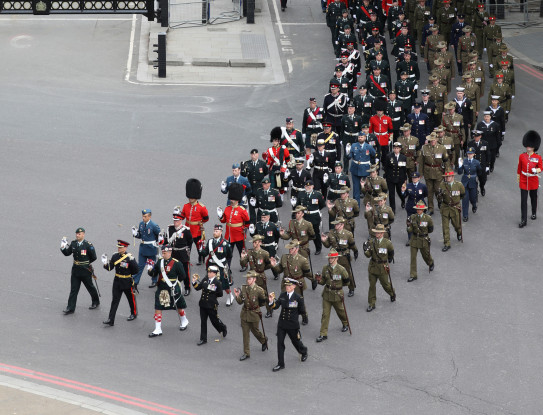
(267, 199)
(351, 127)
(344, 207)
(255, 170)
(381, 253)
(334, 277)
(252, 297)
(313, 201)
(82, 272)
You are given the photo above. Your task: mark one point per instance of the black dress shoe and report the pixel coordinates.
(265, 346)
(533, 217)
(370, 308)
(344, 329)
(244, 357)
(497, 155)
(108, 322)
(199, 262)
(224, 332)
(136, 289)
(350, 293)
(201, 342)
(403, 204)
(321, 338)
(278, 368)
(93, 306)
(318, 252)
(411, 279)
(155, 334)
(465, 218)
(522, 224)
(431, 267)
(459, 237)
(276, 277)
(445, 248)
(491, 169)
(304, 321)
(67, 311)
(393, 298)
(131, 317)
(483, 192)
(474, 209)
(187, 292)
(243, 269)
(407, 243)
(269, 314)
(304, 357)
(314, 284)
(153, 285)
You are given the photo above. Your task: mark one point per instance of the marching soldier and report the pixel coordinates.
(82, 271)
(334, 277)
(313, 201)
(449, 196)
(148, 232)
(395, 110)
(395, 165)
(334, 106)
(432, 162)
(219, 254)
(381, 253)
(380, 214)
(482, 154)
(292, 140)
(410, 149)
(464, 108)
(469, 9)
(267, 199)
(428, 107)
(169, 274)
(420, 18)
(381, 125)
(251, 296)
(407, 91)
(490, 33)
(364, 104)
(420, 123)
(312, 124)
(259, 261)
(493, 50)
(343, 242)
(332, 145)
(300, 230)
(344, 207)
(237, 179)
(431, 46)
(492, 135)
(528, 169)
(438, 94)
(125, 266)
(180, 239)
(352, 124)
(453, 123)
(255, 170)
(276, 158)
(298, 176)
(270, 232)
(319, 161)
(442, 73)
(337, 181)
(472, 91)
(456, 34)
(446, 141)
(478, 75)
(413, 192)
(497, 114)
(502, 90)
(362, 155)
(377, 84)
(445, 19)
(196, 214)
(295, 267)
(447, 57)
(470, 168)
(466, 44)
(373, 186)
(211, 289)
(292, 305)
(419, 226)
(480, 21)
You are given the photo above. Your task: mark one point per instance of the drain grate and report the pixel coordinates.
(254, 46)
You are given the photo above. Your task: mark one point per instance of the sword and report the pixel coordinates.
(387, 268)
(346, 315)
(91, 269)
(351, 267)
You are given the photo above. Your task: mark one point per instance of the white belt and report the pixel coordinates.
(315, 125)
(335, 191)
(351, 133)
(396, 119)
(330, 151)
(362, 162)
(314, 211)
(298, 189)
(412, 75)
(530, 174)
(274, 210)
(336, 115)
(149, 243)
(408, 97)
(321, 168)
(380, 133)
(272, 244)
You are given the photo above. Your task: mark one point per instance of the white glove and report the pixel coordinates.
(303, 136)
(460, 161)
(223, 186)
(484, 49)
(507, 112)
(104, 259)
(512, 97)
(252, 201)
(534, 170)
(179, 233)
(219, 212)
(325, 178)
(416, 87)
(311, 158)
(160, 239)
(150, 267)
(244, 200)
(376, 160)
(293, 201)
(63, 243)
(251, 228)
(177, 210)
(134, 231)
(287, 173)
(348, 148)
(487, 169)
(491, 65)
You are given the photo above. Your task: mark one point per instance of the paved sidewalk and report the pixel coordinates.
(232, 53)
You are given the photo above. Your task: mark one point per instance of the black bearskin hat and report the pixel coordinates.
(531, 139)
(235, 192)
(193, 189)
(275, 133)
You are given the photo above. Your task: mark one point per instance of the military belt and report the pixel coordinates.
(251, 309)
(81, 262)
(361, 162)
(123, 276)
(335, 191)
(432, 165)
(411, 76)
(333, 288)
(185, 248)
(336, 115)
(379, 262)
(529, 174)
(192, 223)
(420, 235)
(321, 168)
(381, 133)
(271, 244)
(408, 97)
(313, 211)
(330, 151)
(148, 243)
(354, 134)
(296, 278)
(234, 225)
(274, 210)
(299, 189)
(396, 119)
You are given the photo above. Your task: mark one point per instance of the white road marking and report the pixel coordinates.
(303, 24)
(289, 63)
(62, 19)
(21, 41)
(279, 24)
(130, 48)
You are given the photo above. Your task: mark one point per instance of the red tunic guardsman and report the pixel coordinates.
(529, 167)
(276, 158)
(235, 217)
(195, 213)
(381, 126)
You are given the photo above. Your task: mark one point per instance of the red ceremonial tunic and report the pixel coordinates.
(195, 215)
(270, 161)
(236, 219)
(382, 128)
(528, 179)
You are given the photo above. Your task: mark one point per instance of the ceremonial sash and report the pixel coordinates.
(120, 260)
(216, 260)
(329, 137)
(334, 103)
(164, 275)
(378, 86)
(289, 139)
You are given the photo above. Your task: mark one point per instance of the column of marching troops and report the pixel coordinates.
(365, 125)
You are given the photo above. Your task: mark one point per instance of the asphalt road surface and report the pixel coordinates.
(82, 147)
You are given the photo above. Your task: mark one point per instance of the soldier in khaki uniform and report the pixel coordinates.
(449, 196)
(508, 76)
(420, 19)
(432, 162)
(373, 185)
(430, 47)
(478, 75)
(479, 22)
(381, 252)
(346, 208)
(453, 123)
(445, 19)
(493, 50)
(380, 214)
(343, 242)
(472, 92)
(420, 225)
(299, 229)
(469, 8)
(438, 94)
(446, 56)
(295, 267)
(499, 88)
(446, 141)
(443, 74)
(252, 297)
(410, 149)
(334, 277)
(259, 261)
(491, 32)
(466, 44)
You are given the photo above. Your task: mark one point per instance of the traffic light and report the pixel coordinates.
(160, 63)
